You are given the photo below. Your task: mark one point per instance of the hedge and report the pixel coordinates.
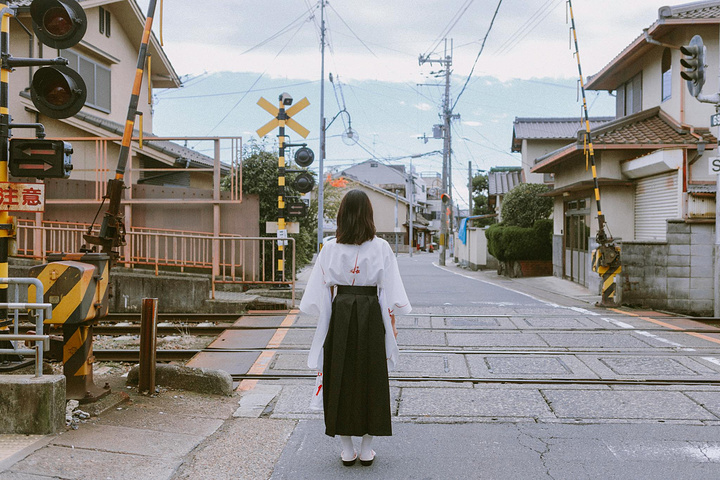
(509, 243)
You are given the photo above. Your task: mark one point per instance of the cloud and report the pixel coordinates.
(472, 123)
(382, 40)
(424, 107)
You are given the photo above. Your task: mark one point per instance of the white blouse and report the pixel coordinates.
(372, 263)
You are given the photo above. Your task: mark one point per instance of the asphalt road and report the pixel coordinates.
(539, 402)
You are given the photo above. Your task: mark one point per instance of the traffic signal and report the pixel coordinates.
(40, 158)
(304, 181)
(58, 23)
(304, 157)
(57, 90)
(694, 63)
(445, 198)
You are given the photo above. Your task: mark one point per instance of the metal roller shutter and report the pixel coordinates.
(656, 200)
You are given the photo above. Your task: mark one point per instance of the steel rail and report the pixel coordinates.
(132, 355)
(508, 380)
(103, 329)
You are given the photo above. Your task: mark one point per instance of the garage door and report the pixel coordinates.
(657, 199)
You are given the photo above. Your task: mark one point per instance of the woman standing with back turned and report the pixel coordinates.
(355, 289)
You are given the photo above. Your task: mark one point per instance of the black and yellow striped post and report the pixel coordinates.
(112, 230)
(282, 227)
(76, 284)
(6, 224)
(607, 254)
(283, 118)
(606, 263)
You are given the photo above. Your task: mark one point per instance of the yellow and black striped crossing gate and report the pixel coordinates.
(76, 284)
(606, 263)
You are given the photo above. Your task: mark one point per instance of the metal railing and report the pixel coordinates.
(35, 310)
(227, 258)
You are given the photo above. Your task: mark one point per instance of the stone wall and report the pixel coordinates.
(676, 275)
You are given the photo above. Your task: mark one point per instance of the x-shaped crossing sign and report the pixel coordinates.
(275, 122)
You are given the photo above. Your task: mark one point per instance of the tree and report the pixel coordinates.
(480, 199)
(259, 176)
(524, 205)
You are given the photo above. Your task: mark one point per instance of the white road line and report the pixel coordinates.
(712, 360)
(659, 339)
(495, 285)
(617, 323)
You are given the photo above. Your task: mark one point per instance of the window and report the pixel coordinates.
(104, 21)
(628, 99)
(666, 74)
(96, 76)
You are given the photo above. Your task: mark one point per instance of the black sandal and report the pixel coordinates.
(349, 463)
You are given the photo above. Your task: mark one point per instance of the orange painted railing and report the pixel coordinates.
(241, 260)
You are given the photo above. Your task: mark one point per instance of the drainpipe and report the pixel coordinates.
(651, 40)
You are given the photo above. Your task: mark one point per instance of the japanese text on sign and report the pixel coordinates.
(22, 197)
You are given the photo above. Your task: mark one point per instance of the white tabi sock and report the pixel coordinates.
(366, 452)
(348, 451)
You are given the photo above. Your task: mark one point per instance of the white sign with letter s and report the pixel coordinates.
(714, 165)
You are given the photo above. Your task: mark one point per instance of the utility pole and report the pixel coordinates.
(446, 115)
(321, 162)
(470, 190)
(410, 213)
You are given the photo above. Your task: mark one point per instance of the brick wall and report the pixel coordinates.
(676, 275)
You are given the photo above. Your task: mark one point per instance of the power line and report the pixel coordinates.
(513, 36)
(351, 30)
(529, 30)
(239, 92)
(280, 32)
(451, 24)
(482, 47)
(256, 81)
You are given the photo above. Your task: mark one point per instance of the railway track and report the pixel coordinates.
(212, 325)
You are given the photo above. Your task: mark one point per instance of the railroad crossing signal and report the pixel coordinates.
(694, 63)
(40, 158)
(283, 117)
(57, 90)
(275, 122)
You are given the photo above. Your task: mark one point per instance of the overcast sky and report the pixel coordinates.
(245, 49)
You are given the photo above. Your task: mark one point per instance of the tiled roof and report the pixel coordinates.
(692, 10)
(650, 127)
(501, 182)
(646, 130)
(21, 3)
(553, 128)
(550, 128)
(173, 149)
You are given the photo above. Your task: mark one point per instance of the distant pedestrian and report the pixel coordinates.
(355, 289)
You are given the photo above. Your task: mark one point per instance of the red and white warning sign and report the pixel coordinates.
(22, 197)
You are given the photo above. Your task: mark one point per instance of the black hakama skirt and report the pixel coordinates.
(356, 390)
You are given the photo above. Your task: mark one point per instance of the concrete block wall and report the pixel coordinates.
(557, 255)
(675, 275)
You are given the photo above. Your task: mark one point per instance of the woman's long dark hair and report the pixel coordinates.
(355, 223)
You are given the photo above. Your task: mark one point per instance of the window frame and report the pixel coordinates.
(666, 75)
(91, 102)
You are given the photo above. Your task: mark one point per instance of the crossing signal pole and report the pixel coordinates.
(694, 73)
(283, 117)
(56, 91)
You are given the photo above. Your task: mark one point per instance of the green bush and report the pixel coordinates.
(508, 242)
(523, 205)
